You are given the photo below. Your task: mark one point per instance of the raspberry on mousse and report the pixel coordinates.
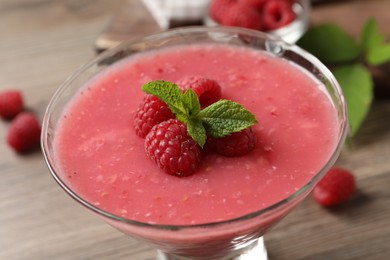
(176, 119)
(236, 144)
(172, 149)
(150, 112)
(208, 90)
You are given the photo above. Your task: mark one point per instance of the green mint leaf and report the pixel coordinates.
(191, 106)
(218, 120)
(191, 102)
(197, 131)
(330, 44)
(357, 85)
(169, 93)
(225, 117)
(185, 106)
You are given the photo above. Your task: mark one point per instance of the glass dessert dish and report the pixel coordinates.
(290, 32)
(293, 31)
(236, 238)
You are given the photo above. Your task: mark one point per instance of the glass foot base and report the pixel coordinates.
(255, 251)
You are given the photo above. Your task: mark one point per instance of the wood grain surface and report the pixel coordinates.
(42, 42)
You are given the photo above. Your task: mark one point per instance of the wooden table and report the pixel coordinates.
(42, 42)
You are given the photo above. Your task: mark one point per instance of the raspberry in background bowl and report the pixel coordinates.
(294, 20)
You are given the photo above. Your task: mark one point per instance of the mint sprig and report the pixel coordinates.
(220, 119)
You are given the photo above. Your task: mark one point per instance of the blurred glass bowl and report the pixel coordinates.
(291, 32)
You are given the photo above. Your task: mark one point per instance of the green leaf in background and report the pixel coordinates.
(330, 44)
(373, 45)
(370, 35)
(379, 55)
(357, 85)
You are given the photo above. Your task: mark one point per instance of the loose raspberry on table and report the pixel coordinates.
(24, 132)
(11, 103)
(236, 144)
(208, 90)
(150, 112)
(276, 14)
(243, 16)
(169, 145)
(336, 187)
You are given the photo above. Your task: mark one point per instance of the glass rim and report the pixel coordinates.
(342, 133)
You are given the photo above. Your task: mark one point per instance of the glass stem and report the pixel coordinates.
(254, 251)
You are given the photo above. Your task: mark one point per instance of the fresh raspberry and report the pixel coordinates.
(218, 8)
(336, 187)
(208, 90)
(24, 132)
(258, 4)
(11, 104)
(169, 145)
(236, 144)
(150, 112)
(277, 13)
(242, 16)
